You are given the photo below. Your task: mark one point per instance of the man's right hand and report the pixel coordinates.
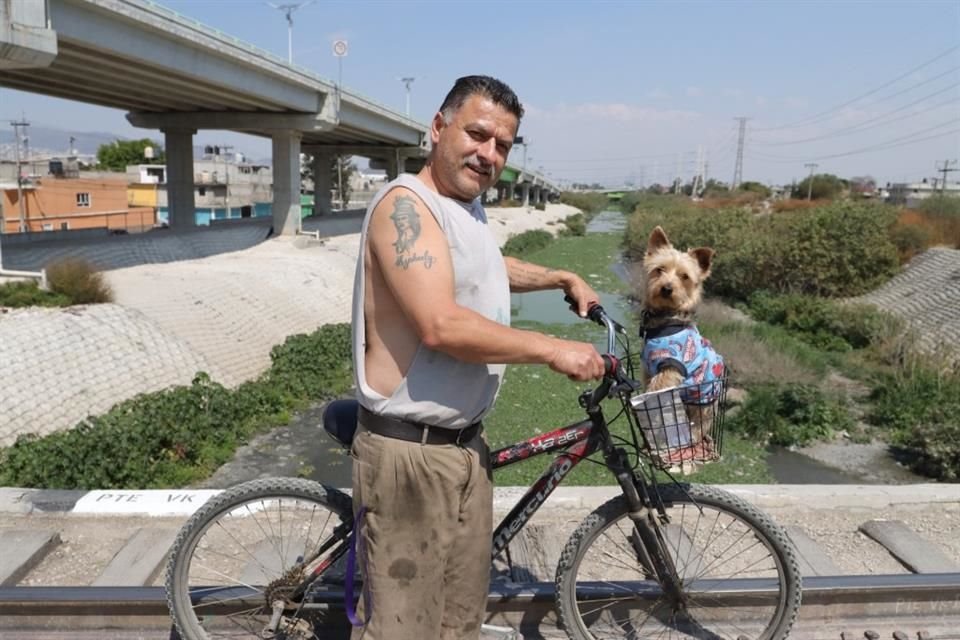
(577, 360)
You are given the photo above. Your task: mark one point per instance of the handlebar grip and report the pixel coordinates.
(595, 313)
(610, 364)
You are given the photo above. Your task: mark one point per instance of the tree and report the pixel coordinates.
(863, 186)
(755, 187)
(120, 154)
(826, 186)
(347, 169)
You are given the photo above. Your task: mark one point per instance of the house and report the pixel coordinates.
(911, 193)
(60, 203)
(222, 189)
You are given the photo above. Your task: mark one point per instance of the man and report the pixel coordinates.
(431, 316)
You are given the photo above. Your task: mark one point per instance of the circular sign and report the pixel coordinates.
(339, 48)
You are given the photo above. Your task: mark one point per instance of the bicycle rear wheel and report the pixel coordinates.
(245, 549)
(736, 569)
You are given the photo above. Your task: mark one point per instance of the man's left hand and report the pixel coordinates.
(583, 295)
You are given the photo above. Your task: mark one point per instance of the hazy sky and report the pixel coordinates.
(626, 90)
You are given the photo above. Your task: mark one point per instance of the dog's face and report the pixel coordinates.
(674, 279)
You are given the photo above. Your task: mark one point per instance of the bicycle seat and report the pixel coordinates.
(340, 420)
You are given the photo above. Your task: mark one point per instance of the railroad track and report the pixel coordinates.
(896, 607)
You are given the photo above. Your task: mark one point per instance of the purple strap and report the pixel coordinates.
(356, 540)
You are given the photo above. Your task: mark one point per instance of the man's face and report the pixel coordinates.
(471, 150)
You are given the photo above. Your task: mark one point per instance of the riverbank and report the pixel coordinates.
(221, 313)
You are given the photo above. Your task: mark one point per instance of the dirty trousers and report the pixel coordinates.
(426, 537)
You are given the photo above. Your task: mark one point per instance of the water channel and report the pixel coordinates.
(303, 448)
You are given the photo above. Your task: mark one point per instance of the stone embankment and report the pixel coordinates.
(214, 300)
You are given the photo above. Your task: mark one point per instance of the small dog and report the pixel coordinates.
(674, 353)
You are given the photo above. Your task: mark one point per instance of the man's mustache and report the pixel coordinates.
(475, 163)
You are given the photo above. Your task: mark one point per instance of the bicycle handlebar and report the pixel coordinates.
(596, 314)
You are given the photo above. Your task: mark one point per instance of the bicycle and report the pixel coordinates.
(268, 558)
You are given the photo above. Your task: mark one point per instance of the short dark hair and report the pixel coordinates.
(485, 86)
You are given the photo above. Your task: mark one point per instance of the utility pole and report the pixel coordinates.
(738, 168)
(678, 181)
(226, 148)
(811, 166)
(17, 125)
(948, 166)
(407, 81)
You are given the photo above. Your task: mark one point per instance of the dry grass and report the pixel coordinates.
(750, 356)
(741, 199)
(80, 281)
(794, 204)
(941, 230)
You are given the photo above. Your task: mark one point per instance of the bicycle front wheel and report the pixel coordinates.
(249, 548)
(736, 571)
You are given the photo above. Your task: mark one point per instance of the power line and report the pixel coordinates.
(819, 116)
(889, 144)
(860, 127)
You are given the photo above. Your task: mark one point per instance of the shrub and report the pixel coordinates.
(841, 249)
(576, 225)
(818, 321)
(526, 242)
(179, 435)
(791, 415)
(920, 405)
(589, 203)
(540, 206)
(509, 204)
(910, 240)
(79, 280)
(939, 228)
(28, 294)
(947, 206)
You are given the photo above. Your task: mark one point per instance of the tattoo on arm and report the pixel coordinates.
(407, 221)
(525, 276)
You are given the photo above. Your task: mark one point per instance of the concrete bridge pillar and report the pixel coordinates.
(525, 190)
(181, 208)
(510, 188)
(540, 191)
(322, 183)
(286, 182)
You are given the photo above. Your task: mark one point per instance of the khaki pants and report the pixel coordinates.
(426, 536)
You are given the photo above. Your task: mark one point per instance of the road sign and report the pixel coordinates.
(339, 48)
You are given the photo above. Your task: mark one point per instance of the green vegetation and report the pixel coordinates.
(120, 154)
(29, 294)
(948, 206)
(825, 186)
(527, 242)
(79, 281)
(841, 249)
(180, 435)
(589, 203)
(790, 415)
(71, 281)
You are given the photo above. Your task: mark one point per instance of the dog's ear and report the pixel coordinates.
(704, 257)
(658, 240)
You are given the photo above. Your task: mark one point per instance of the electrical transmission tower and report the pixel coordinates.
(738, 169)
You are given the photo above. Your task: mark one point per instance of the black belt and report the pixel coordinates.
(416, 431)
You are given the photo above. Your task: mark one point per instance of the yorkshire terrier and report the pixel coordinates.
(674, 353)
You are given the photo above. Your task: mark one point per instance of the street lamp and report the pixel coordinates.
(288, 9)
(407, 81)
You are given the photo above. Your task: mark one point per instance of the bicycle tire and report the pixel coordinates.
(765, 607)
(234, 520)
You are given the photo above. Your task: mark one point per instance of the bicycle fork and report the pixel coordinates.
(647, 537)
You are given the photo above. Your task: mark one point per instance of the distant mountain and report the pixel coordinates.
(50, 141)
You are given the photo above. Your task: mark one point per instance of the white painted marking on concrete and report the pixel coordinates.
(155, 502)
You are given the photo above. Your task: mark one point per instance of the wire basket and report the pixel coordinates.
(682, 424)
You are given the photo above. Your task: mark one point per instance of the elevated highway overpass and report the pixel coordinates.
(173, 74)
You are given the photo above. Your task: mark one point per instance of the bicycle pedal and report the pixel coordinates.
(491, 632)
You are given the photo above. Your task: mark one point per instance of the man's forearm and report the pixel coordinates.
(525, 276)
(466, 335)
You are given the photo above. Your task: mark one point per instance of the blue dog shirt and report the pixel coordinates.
(693, 356)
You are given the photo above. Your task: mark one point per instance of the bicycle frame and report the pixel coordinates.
(576, 438)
